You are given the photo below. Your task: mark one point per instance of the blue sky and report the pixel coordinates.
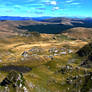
(38, 8)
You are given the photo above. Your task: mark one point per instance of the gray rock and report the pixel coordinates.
(1, 61)
(25, 54)
(63, 53)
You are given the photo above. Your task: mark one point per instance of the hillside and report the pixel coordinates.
(86, 53)
(38, 57)
(74, 22)
(10, 28)
(48, 26)
(79, 33)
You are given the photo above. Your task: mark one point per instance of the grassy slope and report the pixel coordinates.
(44, 76)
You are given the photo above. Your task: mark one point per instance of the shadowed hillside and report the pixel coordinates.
(57, 25)
(86, 53)
(50, 26)
(46, 28)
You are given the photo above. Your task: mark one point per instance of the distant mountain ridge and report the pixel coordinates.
(71, 26)
(22, 18)
(46, 19)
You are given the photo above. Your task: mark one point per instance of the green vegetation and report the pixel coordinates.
(62, 37)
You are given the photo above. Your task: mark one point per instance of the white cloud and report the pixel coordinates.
(56, 8)
(53, 2)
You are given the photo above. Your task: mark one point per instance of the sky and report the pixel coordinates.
(39, 8)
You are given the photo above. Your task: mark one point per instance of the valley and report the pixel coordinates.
(41, 61)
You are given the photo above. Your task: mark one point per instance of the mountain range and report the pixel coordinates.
(22, 18)
(60, 25)
(45, 54)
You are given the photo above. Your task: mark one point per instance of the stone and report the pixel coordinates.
(22, 59)
(70, 51)
(56, 51)
(56, 54)
(25, 54)
(63, 53)
(0, 60)
(25, 89)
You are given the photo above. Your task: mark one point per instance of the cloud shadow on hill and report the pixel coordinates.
(46, 28)
(54, 28)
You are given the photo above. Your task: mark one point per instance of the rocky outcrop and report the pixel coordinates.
(14, 81)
